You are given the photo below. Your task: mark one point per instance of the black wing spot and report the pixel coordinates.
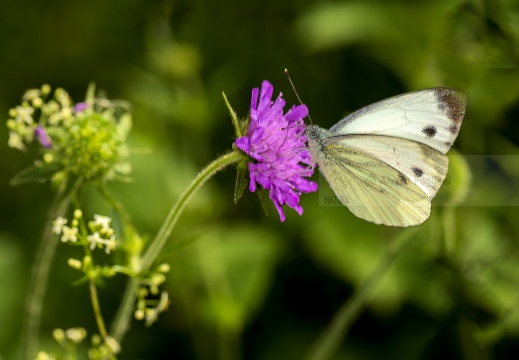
(418, 172)
(430, 131)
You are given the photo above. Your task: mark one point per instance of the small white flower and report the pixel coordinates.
(15, 141)
(69, 234)
(113, 344)
(76, 334)
(94, 239)
(163, 302)
(62, 97)
(110, 244)
(151, 315)
(103, 221)
(57, 225)
(24, 114)
(31, 94)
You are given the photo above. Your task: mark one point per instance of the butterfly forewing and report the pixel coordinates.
(370, 188)
(431, 117)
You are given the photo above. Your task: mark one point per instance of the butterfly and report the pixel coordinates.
(386, 161)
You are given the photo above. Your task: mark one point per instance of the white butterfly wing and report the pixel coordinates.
(369, 187)
(422, 165)
(431, 117)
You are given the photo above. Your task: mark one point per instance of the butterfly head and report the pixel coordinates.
(315, 133)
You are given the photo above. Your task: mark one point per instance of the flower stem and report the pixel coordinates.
(99, 317)
(124, 314)
(122, 319)
(334, 334)
(165, 231)
(40, 274)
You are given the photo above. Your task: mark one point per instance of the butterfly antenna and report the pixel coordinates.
(297, 95)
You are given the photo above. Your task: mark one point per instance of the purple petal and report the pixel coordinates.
(42, 137)
(243, 144)
(82, 106)
(252, 185)
(296, 113)
(265, 97)
(254, 99)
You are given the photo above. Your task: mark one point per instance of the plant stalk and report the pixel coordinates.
(122, 319)
(39, 278)
(336, 331)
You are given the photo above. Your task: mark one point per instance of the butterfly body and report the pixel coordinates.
(386, 161)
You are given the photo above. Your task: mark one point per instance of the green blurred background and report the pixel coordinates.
(244, 284)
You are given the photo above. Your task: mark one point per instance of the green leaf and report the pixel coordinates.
(34, 174)
(241, 180)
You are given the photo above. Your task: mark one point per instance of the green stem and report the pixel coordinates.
(165, 231)
(99, 317)
(336, 331)
(124, 314)
(39, 277)
(122, 319)
(101, 187)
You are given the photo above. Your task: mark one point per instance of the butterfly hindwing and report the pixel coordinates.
(370, 188)
(422, 165)
(431, 117)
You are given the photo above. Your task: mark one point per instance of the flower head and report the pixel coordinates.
(277, 143)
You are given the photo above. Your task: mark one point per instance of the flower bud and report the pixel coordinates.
(164, 268)
(74, 263)
(58, 335)
(78, 214)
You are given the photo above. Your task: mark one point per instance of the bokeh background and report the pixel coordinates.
(244, 285)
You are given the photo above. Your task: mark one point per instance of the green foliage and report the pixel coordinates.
(239, 279)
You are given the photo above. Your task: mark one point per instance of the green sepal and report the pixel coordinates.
(245, 124)
(241, 179)
(263, 196)
(235, 122)
(35, 173)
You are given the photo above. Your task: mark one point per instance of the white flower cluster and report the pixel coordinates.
(101, 236)
(151, 285)
(22, 124)
(70, 339)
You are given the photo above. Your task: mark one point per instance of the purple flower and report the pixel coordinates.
(82, 106)
(42, 137)
(278, 144)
